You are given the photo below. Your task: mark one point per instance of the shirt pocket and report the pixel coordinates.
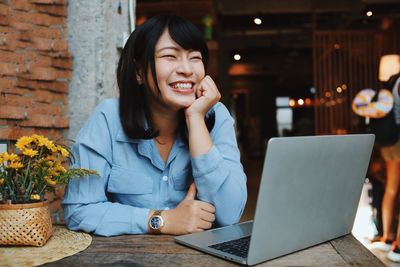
(182, 179)
(126, 181)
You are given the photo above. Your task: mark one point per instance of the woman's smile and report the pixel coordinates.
(183, 87)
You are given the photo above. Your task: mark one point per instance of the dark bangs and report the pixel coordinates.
(188, 37)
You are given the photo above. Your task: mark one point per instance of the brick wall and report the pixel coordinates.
(35, 67)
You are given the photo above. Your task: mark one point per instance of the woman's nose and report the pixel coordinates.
(185, 67)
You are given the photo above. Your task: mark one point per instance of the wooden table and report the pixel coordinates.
(150, 250)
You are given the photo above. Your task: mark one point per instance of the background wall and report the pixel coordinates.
(35, 67)
(95, 31)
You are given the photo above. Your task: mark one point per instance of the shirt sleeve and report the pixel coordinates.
(86, 206)
(218, 174)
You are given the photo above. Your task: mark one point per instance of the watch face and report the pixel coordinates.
(155, 222)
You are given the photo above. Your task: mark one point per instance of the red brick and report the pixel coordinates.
(22, 16)
(61, 122)
(8, 69)
(60, 45)
(45, 74)
(5, 29)
(38, 120)
(3, 122)
(49, 2)
(47, 20)
(49, 33)
(22, 5)
(5, 20)
(41, 73)
(25, 36)
(5, 10)
(53, 134)
(42, 43)
(22, 25)
(62, 63)
(7, 82)
(41, 61)
(59, 87)
(11, 57)
(58, 54)
(16, 100)
(14, 91)
(12, 112)
(15, 132)
(46, 96)
(57, 10)
(8, 40)
(65, 74)
(45, 109)
(22, 45)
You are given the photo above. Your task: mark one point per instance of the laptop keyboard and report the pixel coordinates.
(238, 247)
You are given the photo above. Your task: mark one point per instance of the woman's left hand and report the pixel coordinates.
(207, 95)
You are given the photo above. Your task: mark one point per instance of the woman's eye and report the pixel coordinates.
(196, 58)
(168, 56)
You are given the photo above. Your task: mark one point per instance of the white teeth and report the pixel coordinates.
(183, 85)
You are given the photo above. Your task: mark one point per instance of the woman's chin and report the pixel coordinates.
(185, 103)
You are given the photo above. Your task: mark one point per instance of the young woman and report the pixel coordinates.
(165, 150)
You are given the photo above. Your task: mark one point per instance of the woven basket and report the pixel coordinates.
(25, 224)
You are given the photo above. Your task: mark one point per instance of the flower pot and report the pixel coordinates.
(25, 224)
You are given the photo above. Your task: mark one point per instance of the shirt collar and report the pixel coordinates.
(122, 137)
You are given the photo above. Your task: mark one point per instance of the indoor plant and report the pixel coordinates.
(37, 168)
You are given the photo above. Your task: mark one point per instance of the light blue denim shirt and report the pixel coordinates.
(134, 179)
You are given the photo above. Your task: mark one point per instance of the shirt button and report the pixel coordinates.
(165, 178)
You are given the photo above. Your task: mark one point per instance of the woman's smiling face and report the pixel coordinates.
(178, 72)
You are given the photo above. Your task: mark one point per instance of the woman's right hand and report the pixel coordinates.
(189, 216)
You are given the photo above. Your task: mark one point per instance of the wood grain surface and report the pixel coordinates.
(151, 250)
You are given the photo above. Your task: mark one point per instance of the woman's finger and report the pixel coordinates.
(207, 216)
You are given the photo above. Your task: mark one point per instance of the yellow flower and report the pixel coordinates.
(15, 165)
(23, 142)
(63, 151)
(9, 157)
(50, 181)
(1, 181)
(35, 197)
(43, 141)
(51, 158)
(30, 152)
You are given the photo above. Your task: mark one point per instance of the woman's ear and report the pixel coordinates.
(139, 79)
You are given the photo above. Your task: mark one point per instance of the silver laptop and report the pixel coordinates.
(309, 193)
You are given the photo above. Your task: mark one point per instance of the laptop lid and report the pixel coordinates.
(309, 192)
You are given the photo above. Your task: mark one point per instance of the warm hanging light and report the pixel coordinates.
(257, 21)
(389, 65)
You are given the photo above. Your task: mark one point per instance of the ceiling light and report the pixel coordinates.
(369, 13)
(300, 102)
(237, 57)
(257, 21)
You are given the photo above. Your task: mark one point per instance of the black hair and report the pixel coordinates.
(138, 55)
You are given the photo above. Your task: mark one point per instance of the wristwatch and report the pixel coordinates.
(156, 222)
